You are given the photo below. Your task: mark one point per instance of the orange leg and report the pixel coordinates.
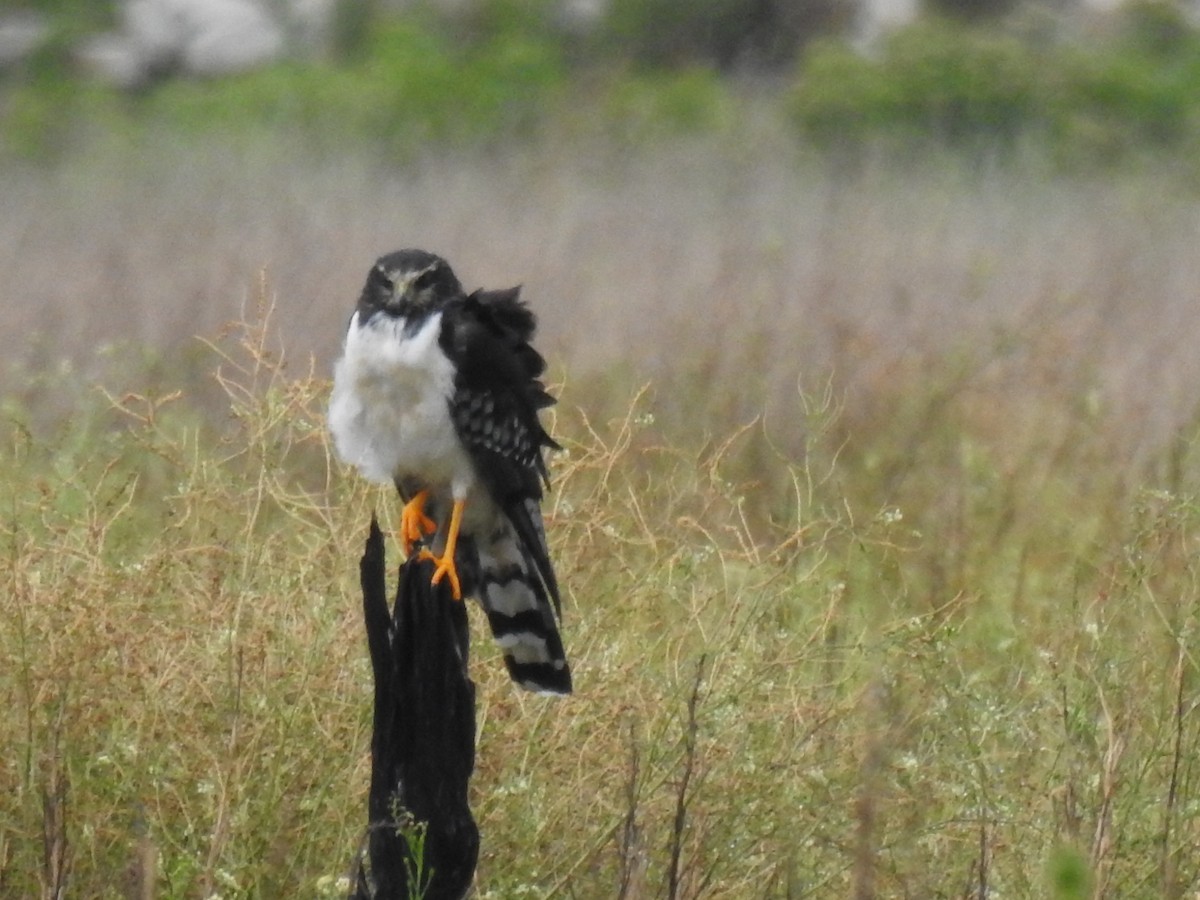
(445, 565)
(414, 524)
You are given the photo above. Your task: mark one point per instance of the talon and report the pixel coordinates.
(445, 566)
(445, 563)
(414, 524)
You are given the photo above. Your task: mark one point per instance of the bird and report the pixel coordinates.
(439, 392)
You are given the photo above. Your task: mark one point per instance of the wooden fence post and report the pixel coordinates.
(422, 840)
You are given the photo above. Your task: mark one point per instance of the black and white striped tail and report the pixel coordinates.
(519, 610)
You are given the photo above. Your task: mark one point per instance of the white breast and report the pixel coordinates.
(389, 412)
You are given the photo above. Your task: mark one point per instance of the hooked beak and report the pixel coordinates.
(399, 297)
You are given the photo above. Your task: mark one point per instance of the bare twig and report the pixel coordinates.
(985, 859)
(1102, 841)
(631, 858)
(1170, 885)
(143, 868)
(56, 851)
(221, 826)
(866, 806)
(682, 795)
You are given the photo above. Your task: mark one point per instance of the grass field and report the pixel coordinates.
(877, 527)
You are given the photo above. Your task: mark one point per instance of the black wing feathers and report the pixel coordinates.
(497, 395)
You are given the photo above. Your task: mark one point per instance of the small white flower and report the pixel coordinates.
(333, 885)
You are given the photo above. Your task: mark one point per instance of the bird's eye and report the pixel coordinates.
(380, 279)
(424, 280)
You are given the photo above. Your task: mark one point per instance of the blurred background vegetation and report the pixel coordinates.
(1089, 87)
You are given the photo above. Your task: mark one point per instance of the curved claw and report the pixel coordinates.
(445, 563)
(414, 524)
(445, 567)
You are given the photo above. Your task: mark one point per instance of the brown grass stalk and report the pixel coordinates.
(868, 798)
(683, 786)
(1170, 886)
(56, 848)
(631, 853)
(1104, 836)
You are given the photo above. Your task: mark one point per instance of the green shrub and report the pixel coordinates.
(964, 86)
(411, 86)
(1142, 95)
(503, 69)
(645, 104)
(842, 96)
(937, 80)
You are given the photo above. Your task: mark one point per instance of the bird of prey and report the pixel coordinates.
(438, 391)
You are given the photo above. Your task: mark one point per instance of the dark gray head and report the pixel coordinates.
(407, 283)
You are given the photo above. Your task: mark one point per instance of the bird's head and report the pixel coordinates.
(407, 283)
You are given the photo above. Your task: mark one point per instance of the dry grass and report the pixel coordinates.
(926, 631)
(736, 265)
(783, 717)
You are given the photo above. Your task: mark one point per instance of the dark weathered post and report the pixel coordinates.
(423, 841)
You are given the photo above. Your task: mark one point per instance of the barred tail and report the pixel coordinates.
(518, 606)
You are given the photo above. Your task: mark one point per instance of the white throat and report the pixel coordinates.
(389, 412)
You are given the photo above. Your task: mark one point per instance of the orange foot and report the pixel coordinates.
(445, 563)
(414, 524)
